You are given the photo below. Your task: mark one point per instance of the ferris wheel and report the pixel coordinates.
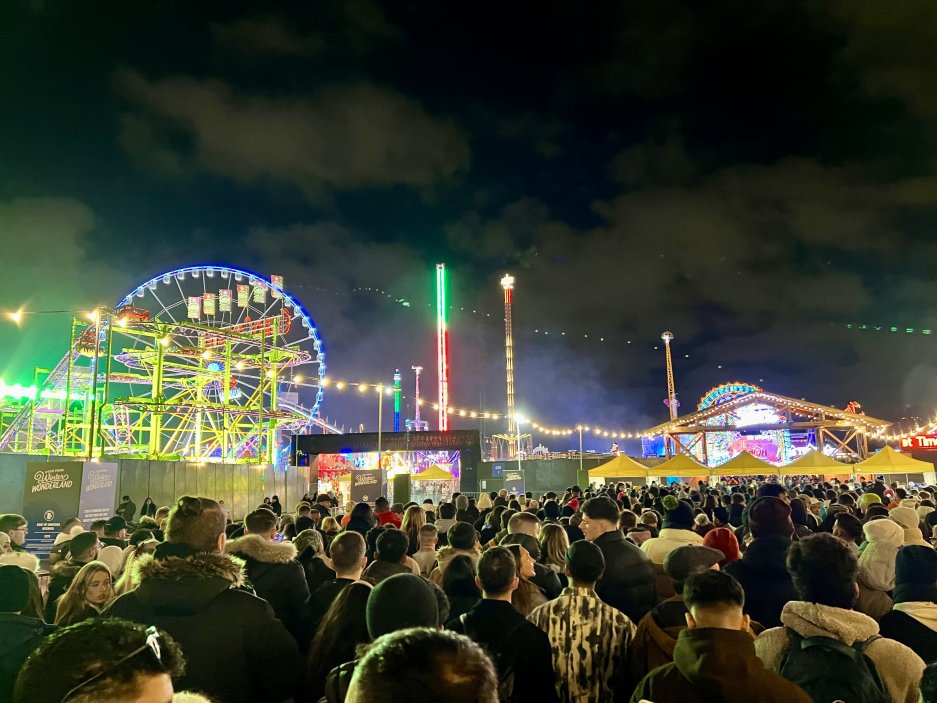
(199, 363)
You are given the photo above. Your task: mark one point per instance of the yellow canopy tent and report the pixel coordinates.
(744, 464)
(434, 473)
(620, 467)
(888, 461)
(815, 462)
(679, 465)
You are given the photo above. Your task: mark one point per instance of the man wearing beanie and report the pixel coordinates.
(590, 639)
(723, 539)
(913, 620)
(677, 531)
(20, 633)
(762, 570)
(657, 632)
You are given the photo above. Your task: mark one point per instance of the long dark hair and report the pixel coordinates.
(337, 638)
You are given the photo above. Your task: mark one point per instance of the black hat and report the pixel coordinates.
(585, 561)
(526, 541)
(115, 524)
(722, 515)
(916, 574)
(682, 562)
(399, 602)
(14, 588)
(679, 513)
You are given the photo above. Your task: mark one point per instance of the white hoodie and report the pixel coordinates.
(877, 561)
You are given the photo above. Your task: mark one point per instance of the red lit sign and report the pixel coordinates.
(920, 442)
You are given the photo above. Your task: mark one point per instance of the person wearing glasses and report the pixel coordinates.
(108, 660)
(90, 591)
(16, 528)
(237, 651)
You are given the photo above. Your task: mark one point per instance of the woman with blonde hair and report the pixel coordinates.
(330, 528)
(553, 545)
(128, 578)
(89, 593)
(413, 520)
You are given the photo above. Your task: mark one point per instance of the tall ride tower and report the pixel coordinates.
(397, 400)
(416, 424)
(507, 283)
(671, 401)
(442, 347)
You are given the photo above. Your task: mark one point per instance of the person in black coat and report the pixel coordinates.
(629, 583)
(762, 570)
(913, 620)
(235, 648)
(20, 631)
(511, 641)
(272, 569)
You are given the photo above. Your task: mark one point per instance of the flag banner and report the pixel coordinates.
(276, 290)
(98, 492)
(209, 303)
(260, 294)
(243, 295)
(50, 497)
(195, 306)
(224, 300)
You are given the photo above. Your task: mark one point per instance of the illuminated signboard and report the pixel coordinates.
(920, 442)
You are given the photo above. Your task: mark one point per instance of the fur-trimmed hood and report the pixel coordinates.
(184, 585)
(262, 550)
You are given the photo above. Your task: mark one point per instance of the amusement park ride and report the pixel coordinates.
(206, 363)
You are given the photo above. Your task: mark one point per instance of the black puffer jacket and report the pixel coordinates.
(276, 576)
(629, 583)
(236, 650)
(19, 637)
(62, 574)
(764, 577)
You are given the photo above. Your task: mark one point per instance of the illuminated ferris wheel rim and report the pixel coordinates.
(240, 274)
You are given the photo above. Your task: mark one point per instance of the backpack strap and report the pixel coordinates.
(830, 643)
(467, 629)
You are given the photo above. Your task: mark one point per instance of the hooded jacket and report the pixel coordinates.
(235, 648)
(657, 548)
(910, 522)
(763, 573)
(899, 668)
(628, 582)
(913, 624)
(276, 576)
(877, 561)
(655, 638)
(713, 665)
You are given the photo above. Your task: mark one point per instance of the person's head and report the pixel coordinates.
(770, 517)
(161, 515)
(687, 560)
(309, 539)
(585, 564)
(125, 499)
(347, 554)
(461, 503)
(197, 523)
(915, 574)
(363, 512)
(823, 570)
(70, 525)
(441, 665)
(413, 519)
(627, 519)
(116, 527)
(553, 544)
(15, 527)
(91, 586)
(262, 521)
(392, 546)
(723, 539)
(330, 525)
(524, 524)
(458, 580)
(401, 601)
(107, 660)
(715, 599)
(462, 536)
(446, 511)
(84, 547)
(428, 536)
(678, 513)
(868, 499)
(496, 573)
(600, 515)
(98, 527)
(847, 527)
(381, 505)
(551, 510)
(525, 562)
(14, 588)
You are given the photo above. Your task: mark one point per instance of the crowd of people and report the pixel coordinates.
(812, 591)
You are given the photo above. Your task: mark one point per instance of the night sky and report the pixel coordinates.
(755, 177)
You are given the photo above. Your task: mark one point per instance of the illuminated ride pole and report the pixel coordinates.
(507, 283)
(672, 403)
(397, 400)
(416, 400)
(442, 347)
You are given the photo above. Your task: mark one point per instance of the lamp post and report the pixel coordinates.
(579, 427)
(517, 423)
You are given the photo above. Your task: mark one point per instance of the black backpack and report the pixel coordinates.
(833, 672)
(503, 661)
